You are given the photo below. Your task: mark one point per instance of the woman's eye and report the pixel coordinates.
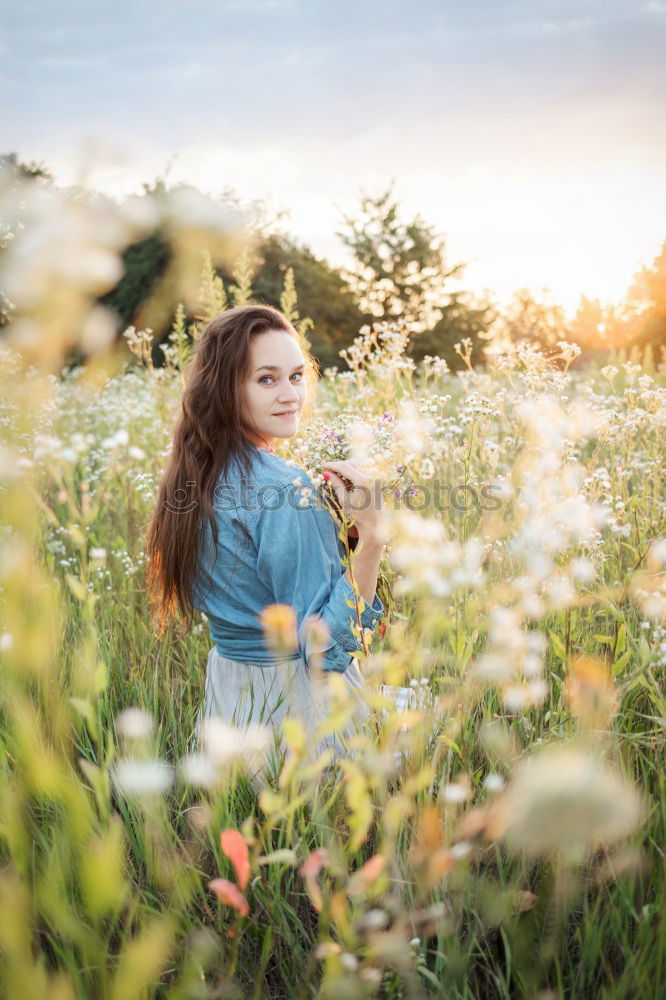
(298, 375)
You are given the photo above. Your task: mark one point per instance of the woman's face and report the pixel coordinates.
(274, 393)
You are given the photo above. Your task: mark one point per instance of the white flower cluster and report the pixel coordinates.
(553, 512)
(425, 557)
(223, 746)
(513, 659)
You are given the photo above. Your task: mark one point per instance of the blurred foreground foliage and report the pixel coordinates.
(497, 834)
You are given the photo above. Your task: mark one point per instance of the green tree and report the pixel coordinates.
(144, 263)
(535, 318)
(23, 170)
(588, 326)
(596, 328)
(462, 317)
(647, 302)
(399, 273)
(322, 295)
(398, 270)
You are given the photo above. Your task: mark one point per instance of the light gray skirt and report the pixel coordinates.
(242, 693)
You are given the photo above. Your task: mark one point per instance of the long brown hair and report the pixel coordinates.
(207, 436)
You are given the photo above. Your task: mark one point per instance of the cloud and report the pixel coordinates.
(482, 112)
(71, 62)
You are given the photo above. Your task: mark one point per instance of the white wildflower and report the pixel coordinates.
(494, 783)
(454, 793)
(134, 723)
(198, 770)
(225, 744)
(460, 850)
(563, 799)
(141, 778)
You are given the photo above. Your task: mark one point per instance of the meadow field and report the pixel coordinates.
(498, 833)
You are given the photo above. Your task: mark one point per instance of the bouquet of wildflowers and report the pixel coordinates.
(377, 446)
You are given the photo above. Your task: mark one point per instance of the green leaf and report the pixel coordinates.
(621, 643)
(101, 678)
(284, 856)
(558, 645)
(467, 652)
(87, 712)
(451, 744)
(621, 663)
(360, 805)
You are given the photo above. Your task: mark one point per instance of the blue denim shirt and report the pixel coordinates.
(276, 546)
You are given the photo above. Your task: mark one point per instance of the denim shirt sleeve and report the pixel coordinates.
(299, 560)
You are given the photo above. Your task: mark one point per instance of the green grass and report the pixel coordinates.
(103, 896)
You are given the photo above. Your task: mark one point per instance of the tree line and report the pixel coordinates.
(399, 272)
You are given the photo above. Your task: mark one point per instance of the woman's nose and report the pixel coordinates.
(289, 393)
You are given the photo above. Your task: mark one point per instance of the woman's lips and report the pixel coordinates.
(288, 413)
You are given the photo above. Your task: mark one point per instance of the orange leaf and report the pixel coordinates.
(314, 891)
(228, 893)
(373, 867)
(235, 848)
(310, 869)
(361, 879)
(314, 862)
(439, 864)
(472, 823)
(524, 900)
(590, 692)
(430, 828)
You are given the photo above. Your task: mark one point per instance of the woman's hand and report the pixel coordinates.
(360, 497)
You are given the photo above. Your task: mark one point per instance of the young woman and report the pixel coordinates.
(238, 528)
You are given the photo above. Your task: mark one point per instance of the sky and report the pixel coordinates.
(529, 133)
